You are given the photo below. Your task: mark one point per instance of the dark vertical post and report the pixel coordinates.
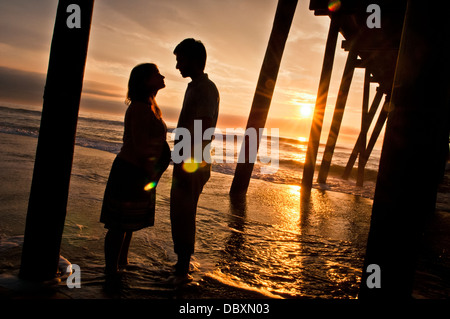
(338, 114)
(321, 103)
(54, 154)
(373, 109)
(264, 90)
(364, 123)
(416, 135)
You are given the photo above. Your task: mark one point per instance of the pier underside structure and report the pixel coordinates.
(402, 45)
(372, 38)
(406, 55)
(405, 52)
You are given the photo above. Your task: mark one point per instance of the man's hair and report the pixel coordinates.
(193, 50)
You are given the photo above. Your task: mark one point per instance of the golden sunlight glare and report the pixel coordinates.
(304, 102)
(305, 110)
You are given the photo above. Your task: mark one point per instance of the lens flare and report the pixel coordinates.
(334, 5)
(149, 186)
(190, 166)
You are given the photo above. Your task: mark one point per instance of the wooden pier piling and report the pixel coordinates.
(51, 177)
(337, 116)
(319, 109)
(264, 90)
(412, 154)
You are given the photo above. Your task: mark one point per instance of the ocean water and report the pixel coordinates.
(281, 155)
(269, 243)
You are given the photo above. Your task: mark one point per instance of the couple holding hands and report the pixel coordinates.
(129, 200)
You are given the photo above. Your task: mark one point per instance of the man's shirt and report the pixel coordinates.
(201, 102)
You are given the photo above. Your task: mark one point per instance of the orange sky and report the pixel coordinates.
(235, 33)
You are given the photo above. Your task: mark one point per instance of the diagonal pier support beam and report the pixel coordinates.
(264, 91)
(356, 149)
(54, 154)
(373, 139)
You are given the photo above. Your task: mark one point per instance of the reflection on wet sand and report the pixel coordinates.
(291, 250)
(268, 243)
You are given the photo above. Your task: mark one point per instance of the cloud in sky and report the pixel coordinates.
(125, 33)
(21, 86)
(27, 87)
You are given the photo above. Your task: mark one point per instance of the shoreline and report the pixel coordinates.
(273, 205)
(83, 232)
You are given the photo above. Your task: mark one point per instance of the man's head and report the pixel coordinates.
(191, 57)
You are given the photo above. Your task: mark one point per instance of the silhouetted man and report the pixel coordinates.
(201, 102)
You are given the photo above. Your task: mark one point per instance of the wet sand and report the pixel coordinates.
(244, 247)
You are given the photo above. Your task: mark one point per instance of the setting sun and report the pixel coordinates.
(305, 110)
(304, 102)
